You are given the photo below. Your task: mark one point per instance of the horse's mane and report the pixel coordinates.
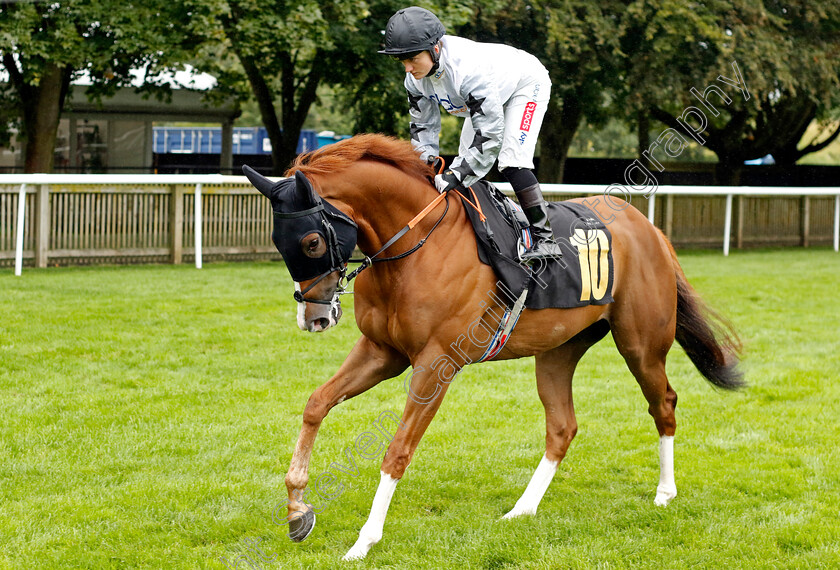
(339, 156)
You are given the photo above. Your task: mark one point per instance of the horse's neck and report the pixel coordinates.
(381, 200)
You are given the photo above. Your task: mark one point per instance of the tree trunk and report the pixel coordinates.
(295, 104)
(789, 154)
(296, 101)
(561, 124)
(265, 102)
(42, 105)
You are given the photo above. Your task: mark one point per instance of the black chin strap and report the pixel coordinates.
(299, 295)
(435, 60)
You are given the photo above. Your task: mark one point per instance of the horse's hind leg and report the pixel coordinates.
(644, 340)
(555, 369)
(662, 403)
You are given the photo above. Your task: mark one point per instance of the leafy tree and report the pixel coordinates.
(786, 52)
(46, 45)
(279, 52)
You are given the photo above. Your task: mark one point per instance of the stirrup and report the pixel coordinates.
(528, 256)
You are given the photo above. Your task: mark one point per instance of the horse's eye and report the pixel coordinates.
(313, 245)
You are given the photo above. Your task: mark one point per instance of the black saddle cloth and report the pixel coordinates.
(583, 276)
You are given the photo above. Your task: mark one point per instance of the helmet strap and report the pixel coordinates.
(435, 59)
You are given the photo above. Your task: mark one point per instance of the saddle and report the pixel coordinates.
(583, 276)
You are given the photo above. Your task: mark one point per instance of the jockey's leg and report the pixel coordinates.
(530, 197)
(524, 114)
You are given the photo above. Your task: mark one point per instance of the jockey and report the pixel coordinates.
(501, 92)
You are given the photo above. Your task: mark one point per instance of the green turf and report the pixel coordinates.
(149, 414)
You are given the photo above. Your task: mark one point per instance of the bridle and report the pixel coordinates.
(340, 265)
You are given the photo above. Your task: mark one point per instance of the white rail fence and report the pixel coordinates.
(170, 217)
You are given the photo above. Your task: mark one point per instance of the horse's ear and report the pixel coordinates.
(260, 182)
(305, 190)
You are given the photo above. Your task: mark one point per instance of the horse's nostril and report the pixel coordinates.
(324, 323)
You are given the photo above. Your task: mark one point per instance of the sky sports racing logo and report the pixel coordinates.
(528, 116)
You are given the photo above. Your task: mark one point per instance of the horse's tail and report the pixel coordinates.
(708, 339)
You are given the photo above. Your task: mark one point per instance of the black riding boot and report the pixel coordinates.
(534, 206)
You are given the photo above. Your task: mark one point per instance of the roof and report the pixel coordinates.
(184, 105)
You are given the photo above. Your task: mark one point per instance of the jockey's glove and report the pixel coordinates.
(447, 181)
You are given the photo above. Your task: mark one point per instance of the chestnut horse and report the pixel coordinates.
(423, 310)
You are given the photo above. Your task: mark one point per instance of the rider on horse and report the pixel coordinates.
(501, 92)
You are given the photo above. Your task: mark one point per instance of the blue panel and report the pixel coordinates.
(208, 140)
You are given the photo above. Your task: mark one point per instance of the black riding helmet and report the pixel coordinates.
(413, 30)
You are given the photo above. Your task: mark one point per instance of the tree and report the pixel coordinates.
(279, 53)
(46, 45)
(785, 52)
(582, 54)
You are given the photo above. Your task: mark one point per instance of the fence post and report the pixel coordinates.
(198, 224)
(652, 208)
(669, 216)
(42, 225)
(176, 223)
(727, 226)
(805, 221)
(739, 224)
(837, 223)
(21, 218)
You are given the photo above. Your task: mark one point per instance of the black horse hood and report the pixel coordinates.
(299, 212)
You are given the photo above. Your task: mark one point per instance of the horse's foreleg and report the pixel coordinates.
(367, 365)
(554, 369)
(426, 390)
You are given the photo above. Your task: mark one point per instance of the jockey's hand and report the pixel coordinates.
(446, 182)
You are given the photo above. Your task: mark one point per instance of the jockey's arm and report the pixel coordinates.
(425, 123)
(480, 147)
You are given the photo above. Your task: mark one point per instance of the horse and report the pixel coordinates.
(426, 307)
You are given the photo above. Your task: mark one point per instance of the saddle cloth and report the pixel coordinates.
(583, 276)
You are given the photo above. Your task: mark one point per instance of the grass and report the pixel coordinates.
(149, 415)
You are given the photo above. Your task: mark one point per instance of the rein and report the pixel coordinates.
(345, 279)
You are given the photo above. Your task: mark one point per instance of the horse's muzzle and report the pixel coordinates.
(318, 318)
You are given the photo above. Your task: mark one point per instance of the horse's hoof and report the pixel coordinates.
(302, 527)
(664, 495)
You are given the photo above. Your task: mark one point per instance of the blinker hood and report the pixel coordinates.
(298, 212)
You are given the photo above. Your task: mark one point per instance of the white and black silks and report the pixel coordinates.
(299, 212)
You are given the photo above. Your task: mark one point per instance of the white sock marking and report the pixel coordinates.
(667, 488)
(371, 532)
(530, 499)
(301, 311)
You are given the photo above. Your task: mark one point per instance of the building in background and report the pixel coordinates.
(119, 135)
(196, 149)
